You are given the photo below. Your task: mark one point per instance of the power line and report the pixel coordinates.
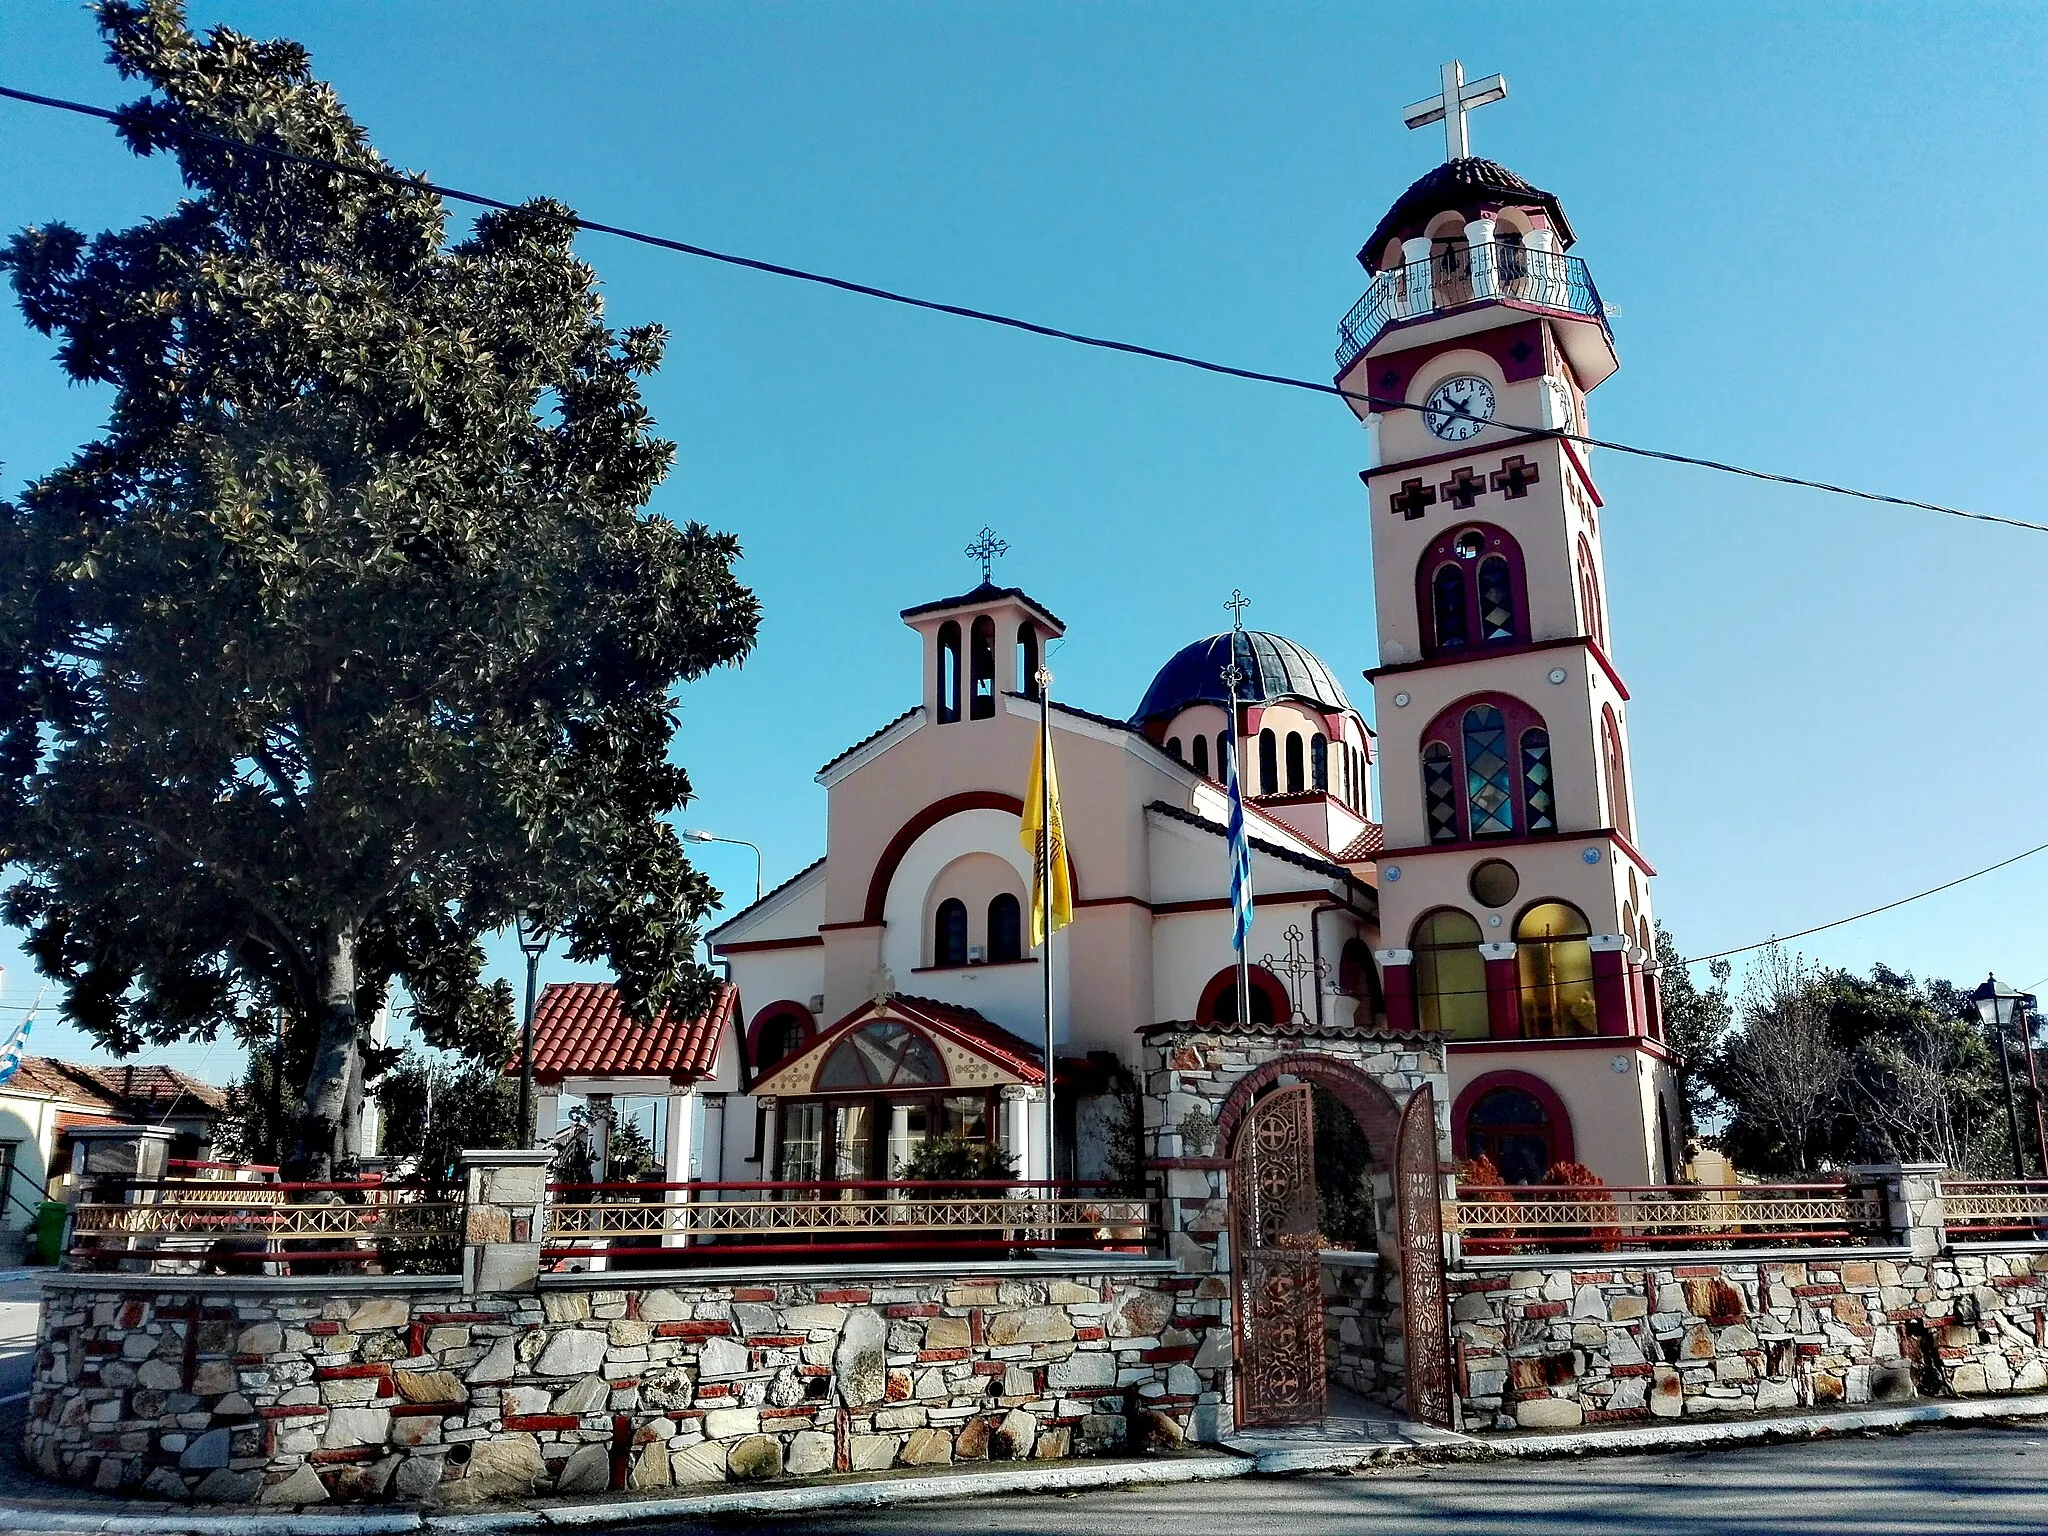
(1017, 323)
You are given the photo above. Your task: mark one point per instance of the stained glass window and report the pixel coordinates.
(1487, 779)
(1539, 793)
(1450, 608)
(1496, 601)
(1440, 793)
(1450, 975)
(883, 1054)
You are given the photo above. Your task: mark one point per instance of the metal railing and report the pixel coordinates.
(719, 1221)
(1580, 1218)
(224, 1225)
(1460, 275)
(1995, 1210)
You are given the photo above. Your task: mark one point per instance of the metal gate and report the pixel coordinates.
(1425, 1324)
(1276, 1268)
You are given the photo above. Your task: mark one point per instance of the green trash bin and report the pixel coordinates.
(48, 1245)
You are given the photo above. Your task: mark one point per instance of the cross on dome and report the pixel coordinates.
(985, 548)
(1450, 105)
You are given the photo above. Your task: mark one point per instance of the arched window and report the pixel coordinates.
(1513, 1129)
(949, 672)
(777, 1038)
(1201, 744)
(883, 1054)
(1471, 590)
(1269, 763)
(1219, 998)
(1359, 978)
(1489, 787)
(1297, 779)
(1589, 595)
(1319, 763)
(1539, 796)
(1027, 659)
(1450, 975)
(1617, 772)
(1005, 929)
(1554, 968)
(949, 933)
(1440, 795)
(1173, 748)
(983, 705)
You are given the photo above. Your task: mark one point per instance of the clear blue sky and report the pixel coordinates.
(1820, 224)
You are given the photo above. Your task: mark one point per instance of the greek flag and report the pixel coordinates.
(1240, 851)
(17, 1045)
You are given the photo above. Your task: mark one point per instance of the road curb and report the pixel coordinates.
(1803, 1426)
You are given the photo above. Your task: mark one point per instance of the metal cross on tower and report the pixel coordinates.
(1450, 105)
(1297, 968)
(985, 548)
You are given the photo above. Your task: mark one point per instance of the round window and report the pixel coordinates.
(1469, 544)
(1494, 882)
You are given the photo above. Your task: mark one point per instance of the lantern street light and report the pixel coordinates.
(1997, 1006)
(697, 835)
(534, 933)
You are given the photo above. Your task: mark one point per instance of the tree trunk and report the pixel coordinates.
(325, 1132)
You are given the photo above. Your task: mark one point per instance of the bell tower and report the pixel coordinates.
(1514, 895)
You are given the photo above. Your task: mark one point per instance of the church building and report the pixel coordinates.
(1490, 904)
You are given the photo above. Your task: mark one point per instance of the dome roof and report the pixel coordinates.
(1274, 667)
(1456, 184)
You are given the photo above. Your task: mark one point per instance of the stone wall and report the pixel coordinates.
(300, 1392)
(1598, 1339)
(1363, 1347)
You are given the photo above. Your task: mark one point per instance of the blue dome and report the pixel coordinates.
(1274, 667)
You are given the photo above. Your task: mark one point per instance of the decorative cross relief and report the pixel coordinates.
(985, 548)
(1297, 968)
(1412, 499)
(1463, 488)
(1515, 476)
(1450, 105)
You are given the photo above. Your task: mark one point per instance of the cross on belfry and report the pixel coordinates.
(985, 548)
(1450, 105)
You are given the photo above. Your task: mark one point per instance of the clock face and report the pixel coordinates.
(1458, 408)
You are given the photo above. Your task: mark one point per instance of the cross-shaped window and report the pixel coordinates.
(1463, 488)
(1515, 476)
(1411, 500)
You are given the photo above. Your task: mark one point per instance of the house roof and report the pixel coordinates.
(1320, 866)
(131, 1090)
(949, 1023)
(1365, 845)
(581, 1030)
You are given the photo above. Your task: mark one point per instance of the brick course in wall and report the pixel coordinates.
(247, 1390)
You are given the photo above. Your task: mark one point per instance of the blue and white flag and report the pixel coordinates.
(16, 1047)
(1240, 851)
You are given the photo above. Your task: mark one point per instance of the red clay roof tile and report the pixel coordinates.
(579, 1030)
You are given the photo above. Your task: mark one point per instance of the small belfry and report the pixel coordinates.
(1514, 897)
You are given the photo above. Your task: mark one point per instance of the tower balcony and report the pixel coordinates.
(1458, 281)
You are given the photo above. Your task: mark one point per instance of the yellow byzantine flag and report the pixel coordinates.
(1036, 799)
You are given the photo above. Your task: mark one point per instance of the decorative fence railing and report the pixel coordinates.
(1611, 1219)
(230, 1226)
(1457, 276)
(1995, 1210)
(706, 1222)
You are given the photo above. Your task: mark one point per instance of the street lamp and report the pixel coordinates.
(1996, 1006)
(697, 835)
(534, 933)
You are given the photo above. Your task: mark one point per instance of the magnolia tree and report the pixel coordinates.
(352, 635)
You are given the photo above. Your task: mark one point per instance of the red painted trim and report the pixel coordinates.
(1503, 999)
(1565, 1043)
(1225, 980)
(755, 946)
(1522, 841)
(1440, 552)
(1114, 901)
(837, 927)
(1398, 983)
(923, 822)
(1495, 652)
(1563, 1149)
(1222, 903)
(975, 965)
(1610, 993)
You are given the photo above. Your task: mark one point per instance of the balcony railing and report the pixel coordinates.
(1611, 1219)
(1458, 276)
(721, 1222)
(1995, 1210)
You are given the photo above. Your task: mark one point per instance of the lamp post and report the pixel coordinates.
(1996, 1006)
(532, 929)
(697, 835)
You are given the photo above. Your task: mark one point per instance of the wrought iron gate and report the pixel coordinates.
(1425, 1324)
(1276, 1271)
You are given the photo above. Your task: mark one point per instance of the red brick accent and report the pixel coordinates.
(1544, 1309)
(779, 1340)
(927, 1356)
(754, 1293)
(787, 1413)
(715, 1389)
(1087, 1335)
(298, 1411)
(843, 1298)
(1696, 1271)
(1168, 1354)
(516, 1421)
(423, 1410)
(346, 1454)
(917, 1309)
(480, 1317)
(1632, 1370)
(351, 1372)
(323, 1329)
(692, 1330)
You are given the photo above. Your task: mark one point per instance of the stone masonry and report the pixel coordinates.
(248, 1390)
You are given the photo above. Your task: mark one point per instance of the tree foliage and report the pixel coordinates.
(1695, 1025)
(351, 635)
(436, 1105)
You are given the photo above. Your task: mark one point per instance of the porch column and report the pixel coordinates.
(547, 1115)
(675, 1164)
(1015, 1126)
(1610, 982)
(1503, 991)
(1397, 985)
(1479, 242)
(600, 1137)
(1416, 275)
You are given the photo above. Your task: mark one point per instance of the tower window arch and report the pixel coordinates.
(1488, 771)
(1440, 795)
(1489, 781)
(949, 932)
(1539, 794)
(1222, 756)
(1269, 763)
(1472, 590)
(1319, 763)
(1005, 929)
(1450, 974)
(949, 672)
(1027, 659)
(1616, 764)
(1173, 748)
(1201, 746)
(1554, 971)
(1589, 595)
(983, 661)
(1297, 778)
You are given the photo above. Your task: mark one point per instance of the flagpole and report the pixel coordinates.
(1043, 677)
(1240, 924)
(1244, 969)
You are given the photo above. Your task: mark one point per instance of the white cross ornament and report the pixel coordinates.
(1451, 104)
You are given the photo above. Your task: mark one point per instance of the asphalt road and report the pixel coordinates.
(21, 1295)
(1984, 1480)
